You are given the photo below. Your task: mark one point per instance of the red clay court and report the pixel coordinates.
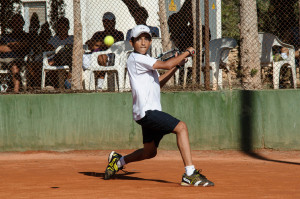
(79, 174)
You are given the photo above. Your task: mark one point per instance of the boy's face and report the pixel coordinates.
(142, 43)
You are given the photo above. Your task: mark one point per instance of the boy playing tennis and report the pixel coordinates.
(146, 83)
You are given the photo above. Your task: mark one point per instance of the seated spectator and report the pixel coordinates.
(13, 48)
(62, 37)
(33, 34)
(95, 44)
(64, 56)
(34, 72)
(44, 36)
(109, 23)
(140, 16)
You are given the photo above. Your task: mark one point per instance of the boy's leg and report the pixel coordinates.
(191, 176)
(149, 151)
(183, 143)
(115, 159)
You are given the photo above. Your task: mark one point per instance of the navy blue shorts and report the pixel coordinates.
(156, 124)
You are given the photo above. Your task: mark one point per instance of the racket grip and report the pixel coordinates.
(191, 52)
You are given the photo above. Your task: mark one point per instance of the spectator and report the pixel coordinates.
(35, 66)
(44, 37)
(62, 37)
(109, 23)
(13, 48)
(33, 34)
(140, 16)
(181, 27)
(95, 44)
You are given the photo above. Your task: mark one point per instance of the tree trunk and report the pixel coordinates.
(250, 48)
(77, 48)
(207, 67)
(195, 13)
(165, 35)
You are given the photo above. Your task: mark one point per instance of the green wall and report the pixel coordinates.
(216, 120)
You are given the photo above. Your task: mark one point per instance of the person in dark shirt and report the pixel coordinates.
(13, 48)
(109, 23)
(181, 27)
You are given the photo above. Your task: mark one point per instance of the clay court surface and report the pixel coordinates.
(79, 174)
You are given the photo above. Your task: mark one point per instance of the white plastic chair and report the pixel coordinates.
(267, 41)
(46, 67)
(120, 50)
(218, 52)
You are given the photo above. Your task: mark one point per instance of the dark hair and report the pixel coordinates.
(63, 20)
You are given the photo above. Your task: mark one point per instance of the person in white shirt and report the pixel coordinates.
(146, 83)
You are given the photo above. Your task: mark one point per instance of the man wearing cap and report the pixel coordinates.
(109, 23)
(147, 112)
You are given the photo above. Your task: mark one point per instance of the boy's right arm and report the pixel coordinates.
(171, 63)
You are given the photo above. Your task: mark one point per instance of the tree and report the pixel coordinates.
(7, 10)
(57, 11)
(230, 18)
(250, 61)
(77, 48)
(165, 35)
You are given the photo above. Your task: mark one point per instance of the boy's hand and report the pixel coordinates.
(191, 50)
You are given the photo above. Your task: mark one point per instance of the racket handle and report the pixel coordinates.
(191, 52)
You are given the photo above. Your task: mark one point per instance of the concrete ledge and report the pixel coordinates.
(216, 120)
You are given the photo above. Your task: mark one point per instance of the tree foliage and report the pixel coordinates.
(230, 18)
(7, 9)
(57, 11)
(279, 17)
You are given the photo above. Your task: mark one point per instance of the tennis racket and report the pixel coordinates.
(171, 53)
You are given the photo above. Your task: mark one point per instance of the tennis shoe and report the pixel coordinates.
(112, 167)
(196, 179)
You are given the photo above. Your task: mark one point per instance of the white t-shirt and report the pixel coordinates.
(144, 84)
(55, 41)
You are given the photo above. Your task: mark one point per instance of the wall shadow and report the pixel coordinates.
(247, 128)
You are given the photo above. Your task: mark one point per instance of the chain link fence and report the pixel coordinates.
(56, 46)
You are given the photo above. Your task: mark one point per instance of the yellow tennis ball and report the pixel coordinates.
(109, 40)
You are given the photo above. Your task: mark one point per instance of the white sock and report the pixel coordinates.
(121, 162)
(189, 170)
(100, 83)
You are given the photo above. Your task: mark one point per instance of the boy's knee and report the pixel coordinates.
(181, 126)
(150, 154)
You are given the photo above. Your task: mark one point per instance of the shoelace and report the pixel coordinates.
(201, 175)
